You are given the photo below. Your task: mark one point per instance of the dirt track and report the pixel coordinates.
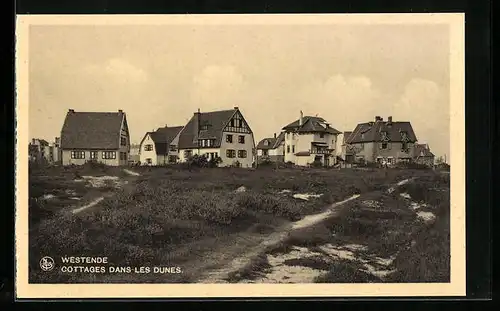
(231, 258)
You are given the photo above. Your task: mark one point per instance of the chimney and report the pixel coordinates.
(71, 110)
(378, 118)
(274, 135)
(301, 119)
(235, 108)
(327, 125)
(389, 119)
(120, 111)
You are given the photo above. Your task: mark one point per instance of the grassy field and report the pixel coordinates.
(166, 216)
(401, 235)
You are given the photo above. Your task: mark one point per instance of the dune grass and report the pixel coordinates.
(172, 207)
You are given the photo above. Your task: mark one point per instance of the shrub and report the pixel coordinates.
(197, 161)
(317, 164)
(215, 162)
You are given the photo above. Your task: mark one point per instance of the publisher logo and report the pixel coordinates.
(47, 263)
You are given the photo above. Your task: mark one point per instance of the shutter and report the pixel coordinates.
(389, 145)
(380, 145)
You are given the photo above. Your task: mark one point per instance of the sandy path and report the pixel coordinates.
(246, 254)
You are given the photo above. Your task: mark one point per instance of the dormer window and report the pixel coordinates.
(266, 142)
(204, 127)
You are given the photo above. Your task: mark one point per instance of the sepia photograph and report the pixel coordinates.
(238, 152)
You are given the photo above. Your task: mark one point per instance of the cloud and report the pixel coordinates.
(343, 100)
(217, 87)
(119, 70)
(426, 105)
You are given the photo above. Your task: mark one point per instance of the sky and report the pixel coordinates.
(161, 74)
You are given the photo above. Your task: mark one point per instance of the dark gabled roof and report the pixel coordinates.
(270, 143)
(92, 130)
(422, 148)
(163, 137)
(310, 124)
(215, 121)
(346, 136)
(273, 143)
(371, 132)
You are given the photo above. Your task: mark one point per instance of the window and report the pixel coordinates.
(383, 145)
(321, 135)
(187, 153)
(293, 148)
(204, 127)
(265, 152)
(230, 153)
(172, 159)
(242, 153)
(123, 141)
(229, 138)
(149, 161)
(109, 155)
(173, 148)
(93, 154)
(148, 147)
(123, 156)
(241, 139)
(78, 154)
(404, 147)
(287, 148)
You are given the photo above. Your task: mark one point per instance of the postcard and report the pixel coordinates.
(201, 156)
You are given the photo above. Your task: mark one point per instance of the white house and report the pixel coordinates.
(271, 148)
(310, 140)
(160, 147)
(224, 134)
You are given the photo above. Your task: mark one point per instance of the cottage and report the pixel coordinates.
(381, 141)
(310, 140)
(95, 136)
(271, 149)
(42, 151)
(134, 157)
(160, 147)
(223, 134)
(423, 155)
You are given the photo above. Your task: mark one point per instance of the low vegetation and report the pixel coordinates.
(169, 207)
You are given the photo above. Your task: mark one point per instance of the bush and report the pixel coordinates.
(197, 161)
(411, 165)
(317, 164)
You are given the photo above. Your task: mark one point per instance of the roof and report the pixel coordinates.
(346, 136)
(92, 130)
(303, 153)
(371, 132)
(215, 120)
(163, 137)
(311, 124)
(423, 148)
(273, 142)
